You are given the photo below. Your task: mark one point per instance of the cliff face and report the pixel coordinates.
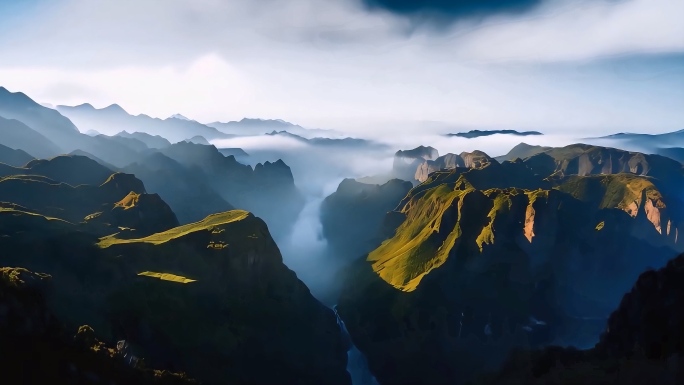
(352, 217)
(490, 258)
(407, 161)
(268, 190)
(576, 159)
(475, 159)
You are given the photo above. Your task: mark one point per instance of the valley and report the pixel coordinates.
(214, 255)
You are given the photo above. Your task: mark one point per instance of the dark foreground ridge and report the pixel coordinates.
(642, 344)
(41, 351)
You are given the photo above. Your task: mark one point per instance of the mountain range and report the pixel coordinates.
(480, 133)
(114, 119)
(251, 127)
(473, 254)
(140, 253)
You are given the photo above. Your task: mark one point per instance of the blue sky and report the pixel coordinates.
(553, 65)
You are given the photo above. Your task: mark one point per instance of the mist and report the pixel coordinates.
(318, 170)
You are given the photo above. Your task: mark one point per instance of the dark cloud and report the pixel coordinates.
(450, 10)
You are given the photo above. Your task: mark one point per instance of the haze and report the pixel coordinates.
(366, 67)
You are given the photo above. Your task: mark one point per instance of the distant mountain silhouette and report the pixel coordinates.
(236, 152)
(675, 138)
(329, 142)
(179, 116)
(114, 119)
(12, 157)
(188, 193)
(667, 144)
(17, 135)
(59, 130)
(248, 126)
(479, 133)
(268, 189)
(198, 140)
(522, 151)
(152, 141)
(46, 121)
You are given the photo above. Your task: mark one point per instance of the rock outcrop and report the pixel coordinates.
(487, 259)
(407, 161)
(268, 190)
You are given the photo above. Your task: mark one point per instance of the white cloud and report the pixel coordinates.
(572, 30)
(328, 63)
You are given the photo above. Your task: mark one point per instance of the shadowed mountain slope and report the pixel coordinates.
(114, 119)
(522, 151)
(17, 135)
(352, 217)
(481, 260)
(152, 141)
(187, 193)
(211, 298)
(12, 157)
(60, 131)
(36, 336)
(268, 190)
(642, 343)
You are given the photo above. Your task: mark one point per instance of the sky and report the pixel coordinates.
(386, 66)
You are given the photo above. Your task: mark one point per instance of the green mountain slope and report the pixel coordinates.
(212, 298)
(496, 245)
(119, 201)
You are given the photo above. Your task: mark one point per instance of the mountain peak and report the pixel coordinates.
(179, 117)
(115, 107)
(85, 106)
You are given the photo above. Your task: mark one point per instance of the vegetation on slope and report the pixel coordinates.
(43, 352)
(482, 251)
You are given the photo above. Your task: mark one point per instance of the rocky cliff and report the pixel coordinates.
(486, 259)
(268, 189)
(406, 161)
(352, 217)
